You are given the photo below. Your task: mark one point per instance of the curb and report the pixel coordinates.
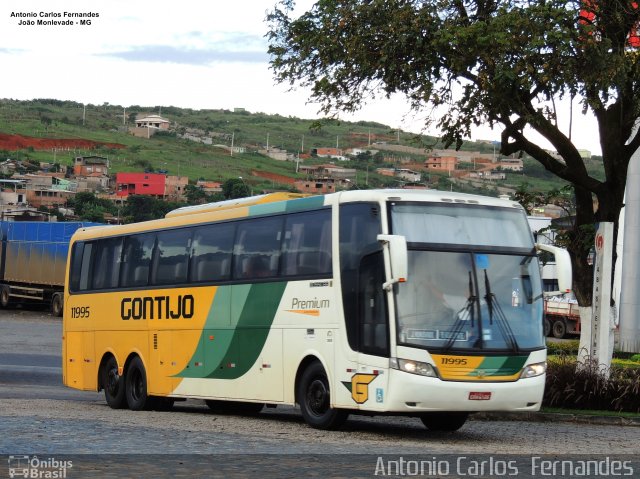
(557, 417)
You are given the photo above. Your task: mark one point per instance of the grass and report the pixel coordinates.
(64, 119)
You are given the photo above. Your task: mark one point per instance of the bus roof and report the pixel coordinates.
(275, 203)
(229, 204)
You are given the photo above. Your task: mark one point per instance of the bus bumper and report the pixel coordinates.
(413, 393)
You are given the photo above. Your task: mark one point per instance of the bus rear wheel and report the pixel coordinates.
(113, 384)
(136, 386)
(444, 421)
(314, 397)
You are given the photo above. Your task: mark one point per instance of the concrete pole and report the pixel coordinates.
(630, 278)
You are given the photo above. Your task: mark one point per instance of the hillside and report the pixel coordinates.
(107, 125)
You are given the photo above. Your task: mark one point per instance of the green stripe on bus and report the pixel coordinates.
(239, 321)
(301, 204)
(501, 365)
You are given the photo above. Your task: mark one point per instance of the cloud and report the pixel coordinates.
(10, 50)
(230, 47)
(187, 56)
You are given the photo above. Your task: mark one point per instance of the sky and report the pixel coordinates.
(200, 54)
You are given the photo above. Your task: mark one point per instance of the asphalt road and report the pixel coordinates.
(40, 417)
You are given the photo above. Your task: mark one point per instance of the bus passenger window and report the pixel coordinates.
(137, 260)
(211, 252)
(307, 244)
(258, 238)
(172, 257)
(80, 267)
(106, 263)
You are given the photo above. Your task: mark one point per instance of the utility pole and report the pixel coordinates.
(84, 113)
(233, 135)
(267, 142)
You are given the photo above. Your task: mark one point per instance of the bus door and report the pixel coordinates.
(373, 356)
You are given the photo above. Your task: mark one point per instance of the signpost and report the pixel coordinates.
(596, 339)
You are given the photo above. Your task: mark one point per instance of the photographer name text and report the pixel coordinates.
(53, 19)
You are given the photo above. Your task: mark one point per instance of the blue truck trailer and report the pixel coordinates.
(33, 258)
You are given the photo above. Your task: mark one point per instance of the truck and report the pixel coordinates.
(33, 258)
(561, 317)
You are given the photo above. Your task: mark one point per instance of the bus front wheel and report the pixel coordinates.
(314, 397)
(136, 386)
(113, 384)
(444, 421)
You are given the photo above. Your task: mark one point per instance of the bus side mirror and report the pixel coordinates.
(563, 266)
(398, 256)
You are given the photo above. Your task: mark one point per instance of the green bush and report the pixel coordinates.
(586, 387)
(563, 348)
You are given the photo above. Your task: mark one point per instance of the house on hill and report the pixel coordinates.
(147, 126)
(441, 163)
(153, 121)
(152, 184)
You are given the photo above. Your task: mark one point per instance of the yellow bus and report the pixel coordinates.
(423, 303)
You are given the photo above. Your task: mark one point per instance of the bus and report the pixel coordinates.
(404, 302)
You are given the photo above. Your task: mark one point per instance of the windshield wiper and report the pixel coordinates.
(467, 311)
(501, 319)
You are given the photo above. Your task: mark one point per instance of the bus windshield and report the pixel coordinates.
(473, 283)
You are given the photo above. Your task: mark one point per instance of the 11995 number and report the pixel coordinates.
(80, 312)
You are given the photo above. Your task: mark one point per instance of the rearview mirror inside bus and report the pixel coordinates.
(397, 246)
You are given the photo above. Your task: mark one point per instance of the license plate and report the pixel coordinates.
(479, 396)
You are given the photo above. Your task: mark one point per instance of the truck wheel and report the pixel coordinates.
(57, 306)
(5, 302)
(444, 421)
(314, 397)
(113, 384)
(546, 325)
(135, 386)
(559, 329)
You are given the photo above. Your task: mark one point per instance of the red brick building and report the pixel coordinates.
(152, 184)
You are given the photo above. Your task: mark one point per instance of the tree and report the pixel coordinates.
(89, 207)
(144, 208)
(235, 188)
(504, 63)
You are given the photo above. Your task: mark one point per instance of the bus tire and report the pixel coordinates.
(546, 325)
(314, 397)
(559, 328)
(234, 407)
(57, 305)
(444, 421)
(113, 384)
(136, 386)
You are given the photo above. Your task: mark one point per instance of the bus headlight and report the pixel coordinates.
(413, 367)
(533, 370)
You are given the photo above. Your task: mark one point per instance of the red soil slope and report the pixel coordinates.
(19, 142)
